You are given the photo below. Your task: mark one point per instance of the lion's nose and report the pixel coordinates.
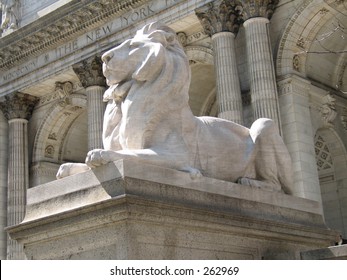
(107, 57)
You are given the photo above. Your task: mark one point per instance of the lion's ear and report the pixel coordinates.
(151, 66)
(163, 37)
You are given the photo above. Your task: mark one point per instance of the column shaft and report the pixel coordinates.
(3, 184)
(18, 180)
(96, 108)
(261, 69)
(228, 85)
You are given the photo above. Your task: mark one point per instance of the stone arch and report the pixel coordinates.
(51, 134)
(199, 54)
(202, 93)
(300, 35)
(331, 159)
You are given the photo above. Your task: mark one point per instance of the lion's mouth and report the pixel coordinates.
(118, 92)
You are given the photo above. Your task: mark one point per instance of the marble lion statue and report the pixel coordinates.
(148, 118)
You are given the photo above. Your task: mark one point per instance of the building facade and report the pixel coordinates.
(284, 60)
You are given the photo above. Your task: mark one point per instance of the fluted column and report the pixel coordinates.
(17, 108)
(3, 184)
(90, 74)
(256, 15)
(221, 21)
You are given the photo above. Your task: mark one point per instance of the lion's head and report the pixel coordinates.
(148, 76)
(151, 52)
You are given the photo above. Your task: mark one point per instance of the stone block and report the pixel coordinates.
(131, 210)
(330, 253)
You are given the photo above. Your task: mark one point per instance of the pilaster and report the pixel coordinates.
(221, 21)
(299, 136)
(17, 108)
(90, 74)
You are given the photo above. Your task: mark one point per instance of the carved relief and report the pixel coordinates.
(9, 15)
(89, 72)
(18, 105)
(61, 29)
(49, 151)
(62, 91)
(323, 155)
(182, 38)
(328, 110)
(219, 16)
(258, 8)
(344, 118)
(296, 63)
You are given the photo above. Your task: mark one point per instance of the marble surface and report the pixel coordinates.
(148, 118)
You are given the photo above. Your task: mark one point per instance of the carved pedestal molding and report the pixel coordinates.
(260, 60)
(90, 74)
(17, 108)
(221, 21)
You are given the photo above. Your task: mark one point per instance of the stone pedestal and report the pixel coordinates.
(128, 210)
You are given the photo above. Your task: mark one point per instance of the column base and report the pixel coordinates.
(128, 210)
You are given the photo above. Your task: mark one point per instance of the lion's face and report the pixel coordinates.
(139, 58)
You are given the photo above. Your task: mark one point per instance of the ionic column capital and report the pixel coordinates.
(258, 8)
(89, 71)
(18, 105)
(220, 16)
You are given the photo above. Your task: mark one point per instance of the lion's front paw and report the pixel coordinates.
(68, 169)
(64, 171)
(96, 157)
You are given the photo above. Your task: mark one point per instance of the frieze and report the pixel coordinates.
(29, 47)
(65, 27)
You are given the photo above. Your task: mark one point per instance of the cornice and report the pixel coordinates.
(60, 26)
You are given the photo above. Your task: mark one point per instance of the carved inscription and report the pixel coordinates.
(137, 14)
(89, 38)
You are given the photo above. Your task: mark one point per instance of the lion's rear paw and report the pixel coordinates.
(259, 184)
(194, 173)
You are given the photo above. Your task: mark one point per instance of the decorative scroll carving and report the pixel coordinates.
(182, 38)
(219, 16)
(328, 110)
(18, 105)
(89, 72)
(258, 8)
